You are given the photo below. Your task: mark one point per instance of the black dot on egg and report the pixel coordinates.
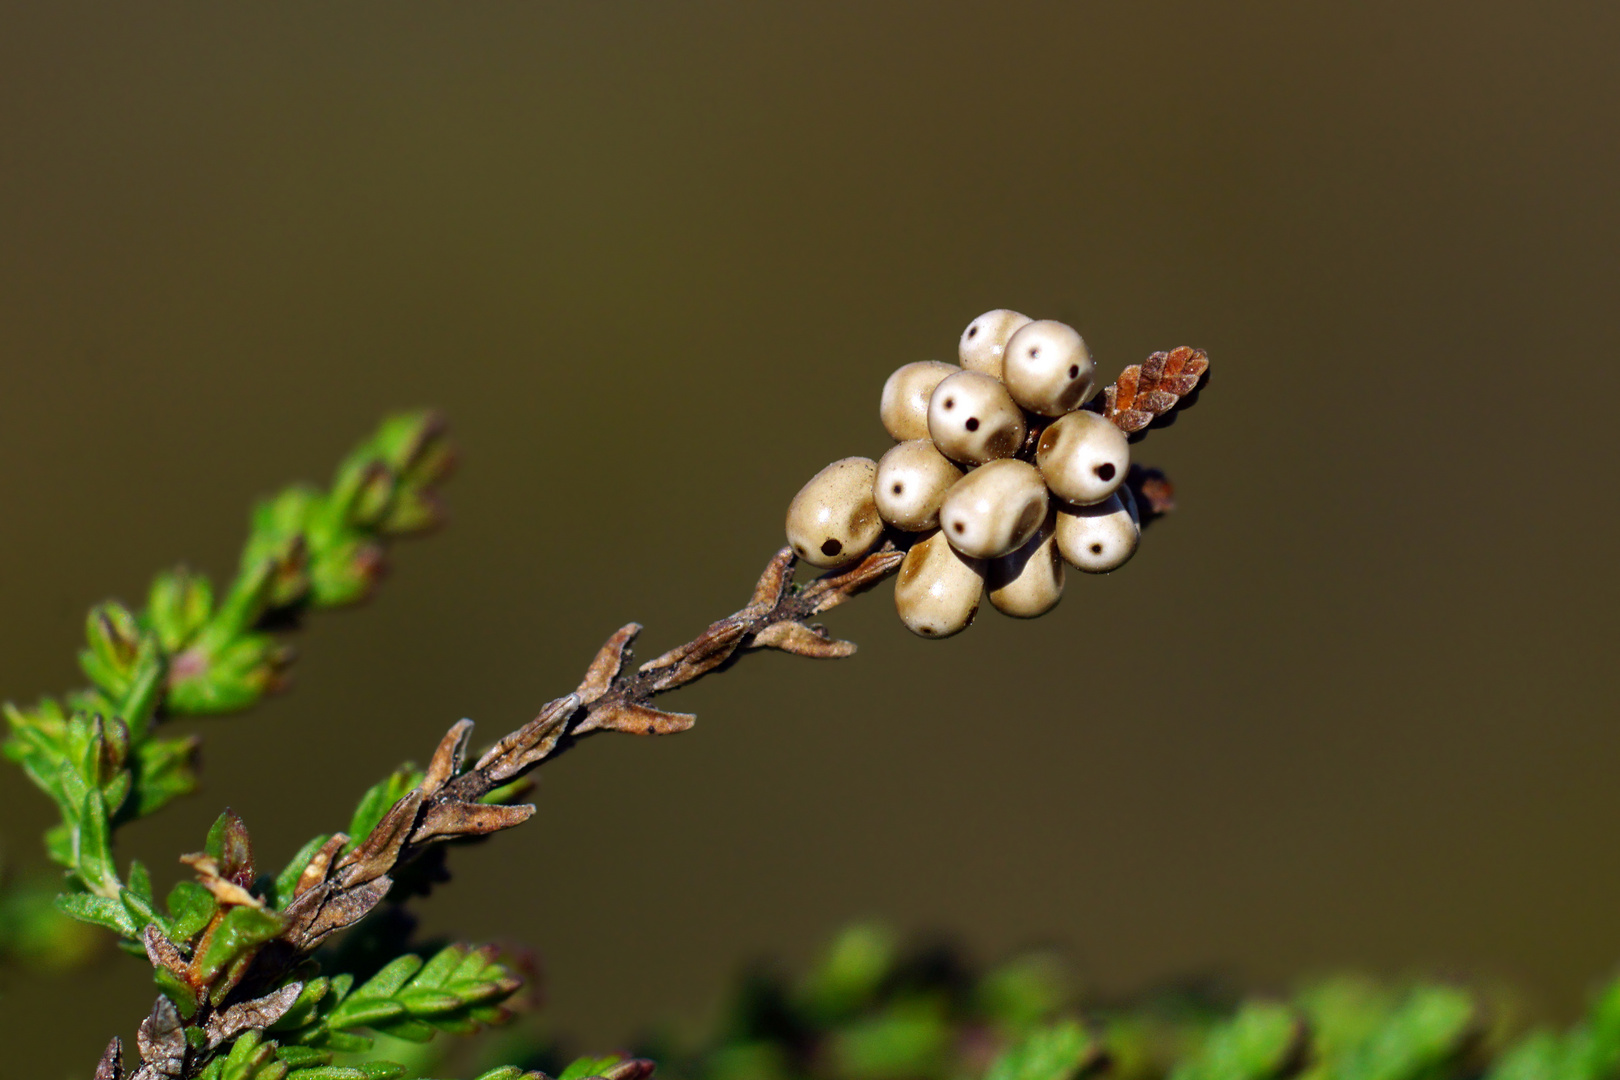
(973, 331)
(950, 403)
(1105, 471)
(1074, 371)
(1096, 549)
(1034, 351)
(959, 527)
(831, 547)
(972, 423)
(898, 488)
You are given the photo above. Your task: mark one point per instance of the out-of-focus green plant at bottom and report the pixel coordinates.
(873, 1011)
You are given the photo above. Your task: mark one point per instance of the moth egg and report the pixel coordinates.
(833, 521)
(904, 405)
(938, 588)
(985, 339)
(912, 479)
(993, 509)
(1083, 456)
(972, 419)
(1028, 582)
(1047, 368)
(1100, 537)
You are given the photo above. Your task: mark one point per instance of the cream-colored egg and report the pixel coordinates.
(1083, 456)
(1100, 537)
(904, 405)
(912, 480)
(993, 509)
(938, 589)
(1047, 368)
(985, 338)
(972, 419)
(833, 520)
(1028, 582)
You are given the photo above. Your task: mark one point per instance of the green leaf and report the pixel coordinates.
(178, 607)
(1261, 1042)
(387, 982)
(94, 854)
(114, 637)
(243, 928)
(581, 1068)
(1058, 1052)
(849, 978)
(345, 572)
(300, 1057)
(370, 1070)
(281, 890)
(1428, 1030)
(908, 1039)
(176, 990)
(190, 908)
(97, 910)
(232, 847)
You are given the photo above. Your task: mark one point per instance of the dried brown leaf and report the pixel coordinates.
(530, 743)
(161, 1039)
(321, 864)
(1151, 389)
(609, 661)
(226, 892)
(254, 1015)
(699, 656)
(111, 1065)
(830, 590)
(1155, 494)
(447, 758)
(379, 851)
(162, 952)
(630, 1069)
(634, 719)
(773, 583)
(453, 818)
(801, 640)
(342, 910)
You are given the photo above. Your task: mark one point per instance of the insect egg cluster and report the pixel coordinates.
(998, 477)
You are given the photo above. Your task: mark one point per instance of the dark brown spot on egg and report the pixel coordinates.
(1105, 471)
(973, 331)
(1096, 549)
(972, 423)
(1074, 371)
(831, 547)
(898, 488)
(950, 403)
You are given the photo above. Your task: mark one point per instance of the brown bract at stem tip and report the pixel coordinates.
(1146, 391)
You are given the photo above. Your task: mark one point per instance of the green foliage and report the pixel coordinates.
(190, 653)
(457, 990)
(1058, 1052)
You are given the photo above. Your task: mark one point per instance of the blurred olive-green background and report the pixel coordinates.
(1353, 704)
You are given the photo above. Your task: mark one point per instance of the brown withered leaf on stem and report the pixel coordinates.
(609, 661)
(379, 851)
(1143, 392)
(257, 1014)
(111, 1065)
(447, 758)
(162, 1039)
(801, 640)
(453, 818)
(320, 864)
